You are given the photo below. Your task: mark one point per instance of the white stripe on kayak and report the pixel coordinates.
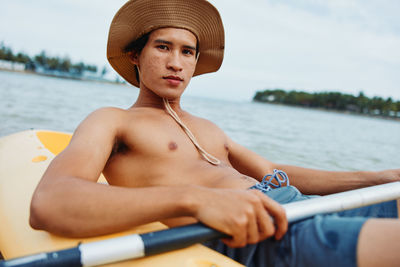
(112, 250)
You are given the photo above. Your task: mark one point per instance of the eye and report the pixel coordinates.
(187, 52)
(162, 47)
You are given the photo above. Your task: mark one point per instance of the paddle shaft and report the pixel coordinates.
(136, 246)
(119, 249)
(342, 201)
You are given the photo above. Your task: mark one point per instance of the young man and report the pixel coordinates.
(164, 164)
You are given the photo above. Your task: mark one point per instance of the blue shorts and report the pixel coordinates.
(323, 240)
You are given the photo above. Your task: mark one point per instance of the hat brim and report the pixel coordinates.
(138, 17)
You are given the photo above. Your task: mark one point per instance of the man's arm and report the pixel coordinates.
(308, 181)
(68, 200)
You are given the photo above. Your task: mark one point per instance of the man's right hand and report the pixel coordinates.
(248, 216)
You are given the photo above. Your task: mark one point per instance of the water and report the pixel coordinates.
(291, 135)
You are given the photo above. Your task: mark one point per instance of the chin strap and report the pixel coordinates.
(210, 158)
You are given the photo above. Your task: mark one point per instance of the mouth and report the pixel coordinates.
(173, 77)
(173, 80)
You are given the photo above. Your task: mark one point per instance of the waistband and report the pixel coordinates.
(267, 184)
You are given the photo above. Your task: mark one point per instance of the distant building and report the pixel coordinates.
(376, 112)
(353, 108)
(56, 73)
(9, 65)
(92, 75)
(394, 114)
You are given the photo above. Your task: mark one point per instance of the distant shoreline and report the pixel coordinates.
(332, 110)
(64, 77)
(333, 101)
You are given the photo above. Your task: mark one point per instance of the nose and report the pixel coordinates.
(174, 62)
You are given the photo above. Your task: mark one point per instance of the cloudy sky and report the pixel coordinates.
(312, 45)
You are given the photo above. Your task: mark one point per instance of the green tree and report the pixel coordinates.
(78, 68)
(41, 59)
(91, 68)
(2, 51)
(65, 64)
(22, 58)
(9, 54)
(53, 63)
(332, 100)
(362, 102)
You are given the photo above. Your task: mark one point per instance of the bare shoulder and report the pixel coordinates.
(90, 146)
(104, 126)
(106, 121)
(106, 114)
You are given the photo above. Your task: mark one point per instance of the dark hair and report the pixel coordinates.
(137, 46)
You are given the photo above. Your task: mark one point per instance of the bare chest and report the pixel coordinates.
(161, 155)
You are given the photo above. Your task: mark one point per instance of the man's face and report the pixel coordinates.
(167, 62)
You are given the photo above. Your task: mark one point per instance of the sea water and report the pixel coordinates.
(290, 135)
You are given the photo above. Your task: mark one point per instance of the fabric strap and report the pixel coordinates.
(210, 158)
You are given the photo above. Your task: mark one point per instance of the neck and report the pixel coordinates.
(147, 98)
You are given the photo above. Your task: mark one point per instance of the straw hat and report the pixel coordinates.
(138, 17)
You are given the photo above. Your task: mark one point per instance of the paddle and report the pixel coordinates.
(136, 246)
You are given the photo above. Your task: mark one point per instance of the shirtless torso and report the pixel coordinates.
(151, 149)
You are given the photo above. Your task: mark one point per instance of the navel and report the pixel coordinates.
(172, 146)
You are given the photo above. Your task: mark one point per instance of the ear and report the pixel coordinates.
(133, 57)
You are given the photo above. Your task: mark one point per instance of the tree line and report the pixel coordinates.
(332, 101)
(46, 62)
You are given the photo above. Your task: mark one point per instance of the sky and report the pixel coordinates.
(309, 45)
